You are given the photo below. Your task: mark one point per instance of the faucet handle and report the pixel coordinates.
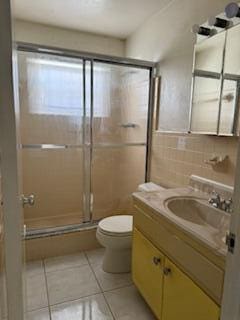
(230, 200)
(215, 194)
(229, 205)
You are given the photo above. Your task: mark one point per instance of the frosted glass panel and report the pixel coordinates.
(51, 91)
(205, 105)
(116, 174)
(232, 60)
(209, 54)
(120, 116)
(55, 178)
(228, 104)
(121, 96)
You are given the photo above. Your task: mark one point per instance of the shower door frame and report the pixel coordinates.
(90, 58)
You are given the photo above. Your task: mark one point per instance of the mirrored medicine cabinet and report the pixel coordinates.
(216, 84)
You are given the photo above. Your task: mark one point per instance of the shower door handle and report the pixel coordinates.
(128, 125)
(28, 200)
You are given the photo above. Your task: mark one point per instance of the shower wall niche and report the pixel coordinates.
(83, 133)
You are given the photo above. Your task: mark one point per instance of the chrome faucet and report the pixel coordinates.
(217, 202)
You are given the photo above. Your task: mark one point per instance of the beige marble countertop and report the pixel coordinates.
(209, 236)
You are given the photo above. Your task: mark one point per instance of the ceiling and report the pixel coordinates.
(118, 18)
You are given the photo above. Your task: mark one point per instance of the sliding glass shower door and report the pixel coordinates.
(51, 127)
(120, 119)
(83, 125)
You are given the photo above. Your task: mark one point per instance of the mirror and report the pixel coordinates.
(209, 55)
(205, 105)
(228, 122)
(215, 84)
(232, 60)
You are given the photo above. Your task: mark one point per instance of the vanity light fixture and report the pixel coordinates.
(232, 10)
(219, 22)
(203, 31)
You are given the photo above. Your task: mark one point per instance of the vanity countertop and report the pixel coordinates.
(210, 237)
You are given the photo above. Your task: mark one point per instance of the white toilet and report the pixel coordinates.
(115, 234)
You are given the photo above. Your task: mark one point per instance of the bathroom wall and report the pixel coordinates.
(176, 156)
(166, 38)
(69, 39)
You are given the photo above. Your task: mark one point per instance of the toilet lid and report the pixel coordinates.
(118, 225)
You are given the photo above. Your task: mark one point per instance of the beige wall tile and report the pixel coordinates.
(75, 242)
(173, 167)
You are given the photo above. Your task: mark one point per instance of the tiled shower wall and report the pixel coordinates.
(175, 157)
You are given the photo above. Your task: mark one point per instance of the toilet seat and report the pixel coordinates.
(116, 226)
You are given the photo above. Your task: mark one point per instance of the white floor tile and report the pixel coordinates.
(95, 257)
(70, 284)
(36, 292)
(34, 268)
(64, 262)
(42, 314)
(89, 308)
(110, 281)
(127, 304)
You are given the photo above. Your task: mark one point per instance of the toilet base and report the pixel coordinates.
(117, 261)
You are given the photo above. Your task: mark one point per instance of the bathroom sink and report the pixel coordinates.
(196, 211)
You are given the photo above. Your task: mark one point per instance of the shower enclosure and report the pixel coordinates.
(84, 135)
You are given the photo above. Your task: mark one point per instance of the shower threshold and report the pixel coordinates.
(54, 231)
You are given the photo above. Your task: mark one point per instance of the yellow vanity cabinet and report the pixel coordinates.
(183, 299)
(170, 293)
(147, 266)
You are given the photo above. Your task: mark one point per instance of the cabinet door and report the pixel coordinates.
(183, 299)
(147, 271)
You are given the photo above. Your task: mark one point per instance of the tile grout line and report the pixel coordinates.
(108, 305)
(118, 288)
(74, 300)
(45, 276)
(107, 291)
(102, 291)
(73, 267)
(65, 268)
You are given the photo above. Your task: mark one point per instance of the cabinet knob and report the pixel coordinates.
(166, 271)
(156, 261)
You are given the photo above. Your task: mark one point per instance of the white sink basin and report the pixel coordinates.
(187, 209)
(197, 212)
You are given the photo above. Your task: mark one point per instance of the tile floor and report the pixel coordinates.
(75, 287)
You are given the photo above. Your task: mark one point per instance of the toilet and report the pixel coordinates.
(115, 234)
